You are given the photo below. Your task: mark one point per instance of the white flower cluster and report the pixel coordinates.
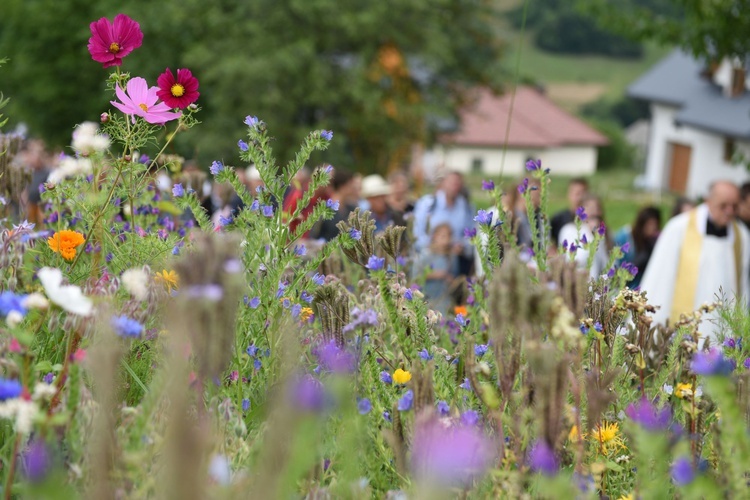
(23, 411)
(70, 167)
(87, 140)
(135, 282)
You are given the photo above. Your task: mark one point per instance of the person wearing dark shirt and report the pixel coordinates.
(578, 187)
(345, 193)
(375, 190)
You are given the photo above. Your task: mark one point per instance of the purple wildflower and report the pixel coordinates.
(483, 217)
(461, 320)
(443, 408)
(387, 416)
(730, 343)
(375, 263)
(9, 389)
(364, 406)
(334, 358)
(425, 355)
(645, 414)
(470, 418)
(245, 404)
(332, 204)
(626, 247)
(746, 363)
(523, 186)
(711, 363)
(386, 377)
(327, 134)
(581, 213)
(355, 234)
(251, 121)
(481, 349)
(242, 145)
(267, 210)
(178, 191)
(126, 327)
(682, 471)
(470, 232)
(318, 279)
(408, 294)
(254, 302)
(602, 229)
(308, 393)
(216, 167)
(542, 459)
(406, 401)
(37, 461)
(488, 185)
(532, 165)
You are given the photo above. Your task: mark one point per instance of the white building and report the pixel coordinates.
(538, 129)
(700, 123)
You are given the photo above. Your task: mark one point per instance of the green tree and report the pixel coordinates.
(382, 75)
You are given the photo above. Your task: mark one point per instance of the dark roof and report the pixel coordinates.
(677, 80)
(535, 122)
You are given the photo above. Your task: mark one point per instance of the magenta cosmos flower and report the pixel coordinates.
(178, 92)
(110, 42)
(139, 100)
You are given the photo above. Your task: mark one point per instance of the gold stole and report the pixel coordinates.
(688, 269)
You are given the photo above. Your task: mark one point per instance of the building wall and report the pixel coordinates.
(707, 159)
(570, 160)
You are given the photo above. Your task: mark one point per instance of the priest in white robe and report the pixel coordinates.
(701, 256)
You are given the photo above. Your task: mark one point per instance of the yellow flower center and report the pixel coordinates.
(143, 107)
(177, 90)
(114, 47)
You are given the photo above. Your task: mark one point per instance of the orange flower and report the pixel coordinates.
(461, 310)
(65, 243)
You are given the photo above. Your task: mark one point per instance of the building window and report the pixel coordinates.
(729, 149)
(477, 165)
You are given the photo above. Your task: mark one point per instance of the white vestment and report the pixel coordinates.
(717, 276)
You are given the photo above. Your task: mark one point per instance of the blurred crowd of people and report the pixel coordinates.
(439, 221)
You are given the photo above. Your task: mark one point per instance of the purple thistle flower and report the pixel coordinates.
(645, 414)
(332, 204)
(406, 401)
(355, 234)
(682, 471)
(375, 263)
(581, 213)
(450, 455)
(532, 165)
(483, 217)
(364, 406)
(542, 459)
(267, 210)
(386, 377)
(242, 145)
(178, 191)
(488, 185)
(216, 167)
(711, 363)
(443, 408)
(327, 134)
(470, 232)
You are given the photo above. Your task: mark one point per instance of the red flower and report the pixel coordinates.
(110, 42)
(180, 92)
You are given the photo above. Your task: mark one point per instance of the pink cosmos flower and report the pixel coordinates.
(110, 42)
(140, 100)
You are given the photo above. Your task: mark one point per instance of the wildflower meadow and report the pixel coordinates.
(148, 352)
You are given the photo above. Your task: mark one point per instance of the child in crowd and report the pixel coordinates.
(441, 265)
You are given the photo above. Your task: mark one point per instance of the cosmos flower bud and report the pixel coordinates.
(104, 117)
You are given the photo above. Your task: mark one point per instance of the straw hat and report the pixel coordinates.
(374, 185)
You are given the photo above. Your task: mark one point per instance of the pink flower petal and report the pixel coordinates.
(138, 90)
(123, 97)
(152, 97)
(128, 110)
(161, 117)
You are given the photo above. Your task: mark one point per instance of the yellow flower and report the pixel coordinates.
(574, 435)
(608, 436)
(401, 376)
(305, 313)
(169, 278)
(65, 243)
(683, 391)
(629, 496)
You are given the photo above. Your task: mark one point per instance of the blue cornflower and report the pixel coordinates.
(386, 377)
(245, 404)
(425, 355)
(216, 167)
(332, 204)
(406, 401)
(9, 389)
(375, 263)
(178, 191)
(255, 206)
(364, 406)
(267, 210)
(532, 165)
(488, 185)
(252, 121)
(355, 234)
(318, 278)
(9, 301)
(327, 134)
(581, 213)
(443, 408)
(483, 217)
(242, 145)
(126, 327)
(481, 349)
